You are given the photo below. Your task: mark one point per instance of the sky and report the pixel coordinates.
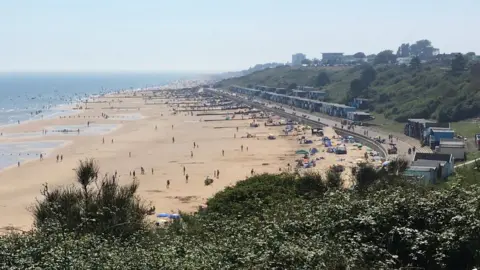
(218, 35)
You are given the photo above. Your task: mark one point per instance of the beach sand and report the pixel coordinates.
(150, 148)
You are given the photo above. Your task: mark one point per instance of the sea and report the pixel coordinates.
(31, 96)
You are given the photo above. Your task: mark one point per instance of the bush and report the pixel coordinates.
(390, 224)
(102, 207)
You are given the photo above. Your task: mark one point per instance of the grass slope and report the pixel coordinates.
(397, 93)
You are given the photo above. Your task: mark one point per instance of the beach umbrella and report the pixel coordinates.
(350, 137)
(165, 215)
(301, 152)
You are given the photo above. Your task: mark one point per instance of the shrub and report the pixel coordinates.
(96, 206)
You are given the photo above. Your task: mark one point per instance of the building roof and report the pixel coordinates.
(420, 120)
(452, 142)
(432, 156)
(428, 163)
(442, 130)
(360, 113)
(420, 169)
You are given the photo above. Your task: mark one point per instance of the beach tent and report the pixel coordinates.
(314, 151)
(164, 215)
(301, 152)
(174, 216)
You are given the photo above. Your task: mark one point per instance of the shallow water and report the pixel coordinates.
(71, 130)
(11, 153)
(93, 129)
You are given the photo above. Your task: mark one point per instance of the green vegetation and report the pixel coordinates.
(442, 87)
(282, 221)
(466, 129)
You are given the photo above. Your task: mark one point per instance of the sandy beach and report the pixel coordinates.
(138, 135)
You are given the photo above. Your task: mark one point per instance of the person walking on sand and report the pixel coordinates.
(214, 173)
(41, 156)
(112, 140)
(156, 127)
(237, 129)
(133, 173)
(103, 140)
(168, 183)
(252, 172)
(173, 139)
(194, 145)
(241, 147)
(247, 148)
(184, 169)
(58, 157)
(223, 152)
(129, 154)
(234, 135)
(172, 126)
(18, 164)
(152, 171)
(191, 154)
(186, 178)
(61, 158)
(218, 173)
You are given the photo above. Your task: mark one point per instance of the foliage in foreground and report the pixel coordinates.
(95, 206)
(288, 222)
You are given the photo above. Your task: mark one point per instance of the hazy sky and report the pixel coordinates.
(219, 35)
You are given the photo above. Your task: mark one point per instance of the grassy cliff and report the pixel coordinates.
(397, 92)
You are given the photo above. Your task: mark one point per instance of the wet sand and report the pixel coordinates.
(151, 148)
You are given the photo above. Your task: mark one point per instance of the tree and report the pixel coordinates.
(359, 55)
(102, 208)
(292, 86)
(470, 55)
(385, 57)
(315, 62)
(422, 48)
(403, 50)
(475, 71)
(321, 79)
(415, 63)
(356, 87)
(458, 63)
(368, 75)
(306, 62)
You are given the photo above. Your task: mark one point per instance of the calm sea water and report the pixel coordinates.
(24, 94)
